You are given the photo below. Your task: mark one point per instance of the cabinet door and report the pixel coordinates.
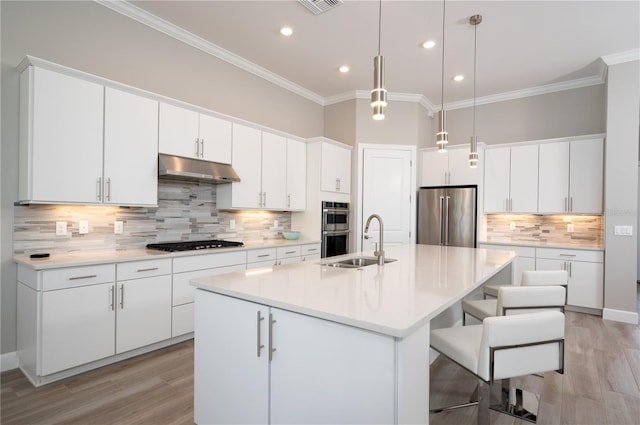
(144, 312)
(496, 179)
(178, 131)
(586, 171)
(247, 161)
(231, 379)
(215, 139)
(553, 178)
(296, 175)
(459, 171)
(318, 363)
(335, 169)
(524, 179)
(586, 288)
(63, 126)
(78, 326)
(130, 149)
(435, 166)
(274, 174)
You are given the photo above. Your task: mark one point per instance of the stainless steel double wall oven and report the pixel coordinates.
(335, 228)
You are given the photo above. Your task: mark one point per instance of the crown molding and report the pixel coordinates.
(622, 57)
(129, 10)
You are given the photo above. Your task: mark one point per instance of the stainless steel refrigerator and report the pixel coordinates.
(447, 215)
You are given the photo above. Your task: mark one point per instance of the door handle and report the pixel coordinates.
(260, 345)
(441, 220)
(201, 148)
(197, 148)
(272, 349)
(122, 297)
(446, 221)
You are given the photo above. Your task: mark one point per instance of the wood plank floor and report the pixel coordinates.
(600, 386)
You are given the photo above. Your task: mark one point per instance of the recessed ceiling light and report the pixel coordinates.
(429, 44)
(344, 69)
(459, 77)
(286, 31)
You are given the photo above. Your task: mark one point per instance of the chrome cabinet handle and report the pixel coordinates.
(99, 188)
(147, 270)
(312, 249)
(446, 222)
(260, 199)
(108, 191)
(272, 349)
(264, 255)
(567, 255)
(290, 252)
(201, 148)
(88, 276)
(571, 204)
(264, 199)
(289, 201)
(113, 297)
(260, 345)
(441, 220)
(121, 297)
(197, 148)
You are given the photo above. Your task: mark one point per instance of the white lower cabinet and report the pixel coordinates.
(259, 364)
(310, 252)
(187, 268)
(586, 274)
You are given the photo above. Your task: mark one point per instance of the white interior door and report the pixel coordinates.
(387, 190)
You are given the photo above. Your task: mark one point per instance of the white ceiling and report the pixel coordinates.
(522, 45)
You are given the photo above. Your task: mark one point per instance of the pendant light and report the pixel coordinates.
(442, 137)
(379, 93)
(473, 147)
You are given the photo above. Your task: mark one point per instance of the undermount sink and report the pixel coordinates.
(356, 262)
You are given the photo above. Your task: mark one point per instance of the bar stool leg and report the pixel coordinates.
(484, 399)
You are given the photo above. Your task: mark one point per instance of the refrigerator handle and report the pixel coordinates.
(441, 220)
(446, 222)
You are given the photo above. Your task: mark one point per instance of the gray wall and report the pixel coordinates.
(89, 37)
(621, 190)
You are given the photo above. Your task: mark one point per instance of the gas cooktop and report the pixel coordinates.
(193, 245)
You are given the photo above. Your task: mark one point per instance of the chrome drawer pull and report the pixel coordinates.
(264, 255)
(567, 255)
(290, 252)
(147, 270)
(89, 276)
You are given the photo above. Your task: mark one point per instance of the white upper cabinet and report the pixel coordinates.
(259, 158)
(511, 179)
(83, 143)
(571, 175)
(450, 167)
(130, 149)
(296, 175)
(190, 134)
(61, 124)
(335, 168)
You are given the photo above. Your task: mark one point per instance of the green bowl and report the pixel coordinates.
(292, 235)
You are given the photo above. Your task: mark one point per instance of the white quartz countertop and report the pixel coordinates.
(74, 259)
(394, 299)
(536, 244)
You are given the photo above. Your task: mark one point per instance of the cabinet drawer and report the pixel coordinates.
(265, 254)
(208, 261)
(522, 251)
(310, 249)
(182, 289)
(570, 255)
(139, 269)
(77, 276)
(288, 252)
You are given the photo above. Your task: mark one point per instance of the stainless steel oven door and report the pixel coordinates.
(335, 220)
(335, 243)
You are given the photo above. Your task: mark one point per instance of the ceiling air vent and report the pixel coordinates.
(319, 6)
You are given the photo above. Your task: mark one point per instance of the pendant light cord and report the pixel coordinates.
(475, 55)
(443, 21)
(379, 25)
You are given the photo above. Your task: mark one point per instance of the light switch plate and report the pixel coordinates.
(83, 227)
(570, 228)
(118, 227)
(61, 228)
(623, 230)
(275, 224)
(232, 224)
(512, 226)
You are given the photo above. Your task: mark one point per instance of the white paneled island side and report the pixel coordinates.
(312, 343)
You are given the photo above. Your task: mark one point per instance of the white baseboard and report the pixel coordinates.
(8, 361)
(620, 316)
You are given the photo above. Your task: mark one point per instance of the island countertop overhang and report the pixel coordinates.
(394, 299)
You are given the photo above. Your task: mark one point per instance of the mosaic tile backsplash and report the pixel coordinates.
(588, 230)
(186, 211)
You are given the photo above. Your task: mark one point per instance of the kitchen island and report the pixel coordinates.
(313, 343)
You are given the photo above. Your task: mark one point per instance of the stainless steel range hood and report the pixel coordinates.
(181, 168)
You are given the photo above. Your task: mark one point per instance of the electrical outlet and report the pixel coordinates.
(83, 227)
(570, 228)
(118, 227)
(512, 226)
(275, 224)
(61, 228)
(232, 225)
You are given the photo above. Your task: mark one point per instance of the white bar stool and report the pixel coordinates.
(514, 300)
(503, 347)
(532, 278)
